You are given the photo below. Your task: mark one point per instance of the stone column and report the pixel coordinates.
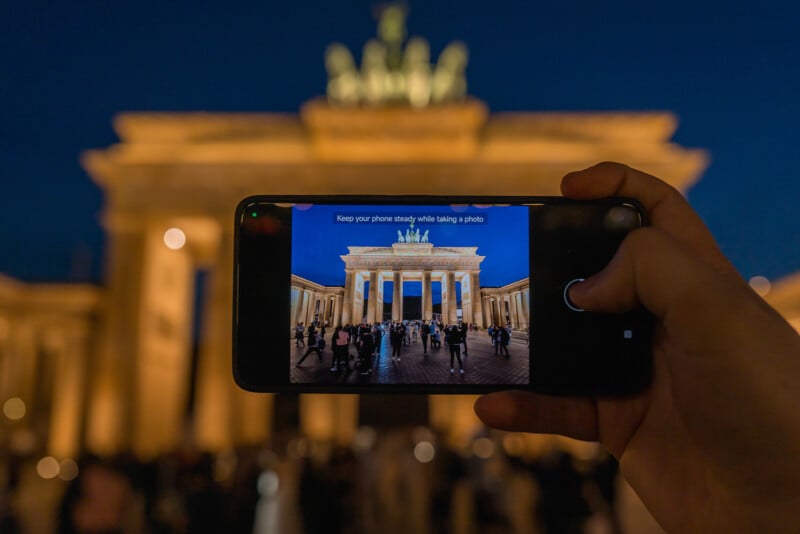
(523, 321)
(23, 360)
(225, 415)
(451, 301)
(397, 296)
(213, 418)
(7, 375)
(379, 299)
(427, 296)
(445, 299)
(329, 418)
(477, 299)
(312, 306)
(513, 313)
(347, 298)
(466, 298)
(323, 308)
(303, 308)
(358, 299)
(64, 436)
(337, 311)
(294, 300)
(526, 307)
(163, 359)
(109, 414)
(498, 316)
(372, 299)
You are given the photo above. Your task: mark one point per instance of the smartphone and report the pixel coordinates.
(429, 294)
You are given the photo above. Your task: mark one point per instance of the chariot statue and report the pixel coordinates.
(395, 71)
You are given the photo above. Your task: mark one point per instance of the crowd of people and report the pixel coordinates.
(367, 340)
(379, 485)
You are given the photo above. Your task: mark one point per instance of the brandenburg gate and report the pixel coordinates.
(415, 261)
(411, 259)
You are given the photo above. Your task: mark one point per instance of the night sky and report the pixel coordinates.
(505, 262)
(730, 72)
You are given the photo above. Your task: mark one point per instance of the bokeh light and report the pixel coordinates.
(67, 469)
(760, 285)
(14, 408)
(364, 439)
(47, 467)
(424, 451)
(174, 238)
(268, 483)
(483, 448)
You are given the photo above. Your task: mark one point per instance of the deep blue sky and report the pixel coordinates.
(730, 71)
(312, 258)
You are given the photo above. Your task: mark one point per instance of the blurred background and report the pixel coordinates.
(130, 130)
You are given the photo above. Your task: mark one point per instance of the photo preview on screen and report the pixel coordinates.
(417, 270)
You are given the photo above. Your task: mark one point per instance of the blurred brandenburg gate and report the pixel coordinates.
(145, 362)
(188, 171)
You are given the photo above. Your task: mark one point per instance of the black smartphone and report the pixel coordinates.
(427, 294)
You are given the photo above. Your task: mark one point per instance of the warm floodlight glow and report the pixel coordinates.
(483, 448)
(14, 408)
(760, 285)
(174, 238)
(67, 469)
(47, 467)
(424, 451)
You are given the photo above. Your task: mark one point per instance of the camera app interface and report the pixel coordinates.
(423, 294)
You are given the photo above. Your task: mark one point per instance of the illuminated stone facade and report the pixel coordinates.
(46, 341)
(189, 170)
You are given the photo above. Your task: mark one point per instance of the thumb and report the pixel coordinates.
(650, 269)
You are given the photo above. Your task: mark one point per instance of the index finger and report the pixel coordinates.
(667, 208)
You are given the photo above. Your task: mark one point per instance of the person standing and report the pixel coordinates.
(298, 335)
(312, 335)
(315, 344)
(365, 348)
(377, 334)
(396, 341)
(426, 331)
(453, 340)
(505, 339)
(462, 329)
(341, 354)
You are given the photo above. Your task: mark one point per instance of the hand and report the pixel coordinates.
(714, 444)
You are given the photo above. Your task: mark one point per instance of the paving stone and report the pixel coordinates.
(481, 365)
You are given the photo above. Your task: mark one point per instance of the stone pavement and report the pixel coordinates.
(481, 366)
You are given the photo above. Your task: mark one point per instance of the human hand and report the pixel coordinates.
(714, 444)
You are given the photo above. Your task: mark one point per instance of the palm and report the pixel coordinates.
(658, 458)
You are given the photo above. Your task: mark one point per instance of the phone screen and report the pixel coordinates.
(425, 294)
